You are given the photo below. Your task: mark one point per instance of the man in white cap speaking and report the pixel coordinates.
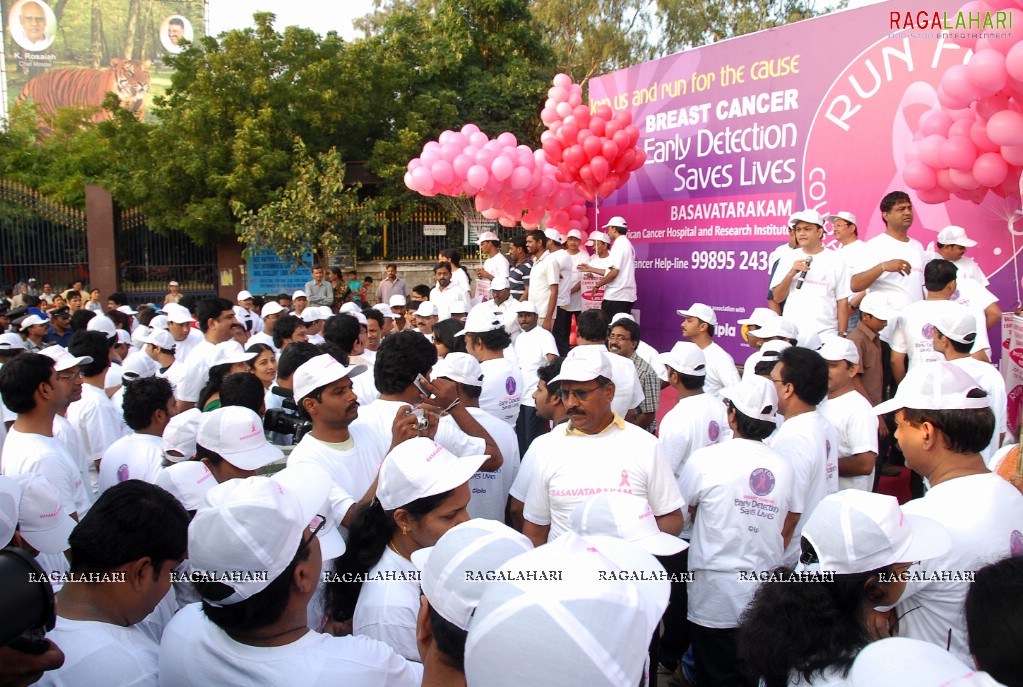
(952, 244)
(495, 264)
(619, 282)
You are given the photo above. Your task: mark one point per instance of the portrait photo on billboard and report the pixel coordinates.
(174, 30)
(32, 24)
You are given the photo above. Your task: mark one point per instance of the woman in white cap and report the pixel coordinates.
(230, 357)
(856, 550)
(422, 492)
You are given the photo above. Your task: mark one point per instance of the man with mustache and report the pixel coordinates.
(623, 340)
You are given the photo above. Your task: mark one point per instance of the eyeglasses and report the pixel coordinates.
(315, 526)
(619, 337)
(69, 376)
(580, 394)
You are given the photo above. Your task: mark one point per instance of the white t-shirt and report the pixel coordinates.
(489, 490)
(352, 470)
(363, 384)
(575, 304)
(96, 420)
(136, 456)
(742, 491)
(573, 467)
(694, 422)
(984, 517)
(25, 452)
(98, 654)
(623, 286)
(913, 333)
(973, 294)
(388, 608)
(509, 317)
(808, 442)
(543, 275)
(194, 651)
(854, 254)
(502, 389)
(445, 298)
(65, 434)
(196, 373)
(565, 269)
(856, 423)
(966, 267)
(814, 307)
(497, 265)
(900, 290)
(520, 486)
(532, 349)
(182, 349)
(461, 279)
(266, 338)
(378, 417)
(721, 370)
(991, 381)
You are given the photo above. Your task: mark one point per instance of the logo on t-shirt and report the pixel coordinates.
(1016, 543)
(761, 481)
(713, 431)
(954, 296)
(510, 385)
(827, 447)
(928, 331)
(122, 474)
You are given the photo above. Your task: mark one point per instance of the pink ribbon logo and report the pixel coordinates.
(625, 480)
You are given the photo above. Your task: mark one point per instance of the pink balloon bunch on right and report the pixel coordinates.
(973, 143)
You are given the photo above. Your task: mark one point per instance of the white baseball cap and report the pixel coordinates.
(554, 235)
(159, 322)
(188, 482)
(126, 309)
(139, 365)
(482, 318)
(584, 364)
(243, 295)
(123, 337)
(809, 339)
(426, 309)
(453, 569)
(685, 358)
(807, 215)
(396, 301)
(385, 310)
(878, 304)
(856, 531)
(180, 435)
(421, 467)
(271, 308)
(318, 371)
(458, 308)
(349, 308)
(11, 341)
(935, 386)
(955, 236)
(617, 221)
(598, 236)
(754, 397)
(500, 283)
(10, 498)
(459, 367)
(525, 306)
(847, 216)
(701, 312)
(231, 352)
(541, 630)
(759, 317)
(173, 283)
(957, 322)
(900, 661)
(313, 314)
(177, 316)
(256, 525)
(236, 434)
(777, 326)
(836, 348)
(63, 359)
(574, 234)
(488, 236)
(772, 349)
(625, 516)
(298, 294)
(33, 320)
(622, 316)
(41, 517)
(160, 338)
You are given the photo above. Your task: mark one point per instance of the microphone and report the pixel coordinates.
(801, 277)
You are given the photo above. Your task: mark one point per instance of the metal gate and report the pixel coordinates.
(147, 261)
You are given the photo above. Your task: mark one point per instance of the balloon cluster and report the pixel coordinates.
(973, 143)
(595, 151)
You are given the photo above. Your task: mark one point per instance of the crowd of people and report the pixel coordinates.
(479, 486)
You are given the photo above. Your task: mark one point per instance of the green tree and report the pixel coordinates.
(687, 24)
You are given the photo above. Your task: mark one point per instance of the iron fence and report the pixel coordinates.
(147, 261)
(423, 233)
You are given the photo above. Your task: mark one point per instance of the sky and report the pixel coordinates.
(314, 14)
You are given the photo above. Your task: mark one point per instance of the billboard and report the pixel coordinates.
(741, 134)
(62, 53)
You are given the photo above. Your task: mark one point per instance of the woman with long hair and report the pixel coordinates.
(264, 365)
(228, 359)
(422, 492)
(805, 627)
(444, 337)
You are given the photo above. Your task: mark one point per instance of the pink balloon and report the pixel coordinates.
(592, 146)
(493, 185)
(609, 150)
(948, 101)
(442, 172)
(624, 118)
(506, 222)
(478, 176)
(639, 161)
(408, 181)
(633, 131)
(1006, 38)
(478, 139)
(989, 105)
(621, 139)
(508, 140)
(599, 167)
(1006, 128)
(1014, 61)
(520, 178)
(956, 83)
(912, 151)
(967, 39)
(582, 116)
(429, 156)
(575, 100)
(624, 160)
(558, 94)
(945, 181)
(461, 165)
(978, 134)
(552, 149)
(964, 179)
(569, 132)
(958, 153)
(563, 109)
(607, 187)
(574, 156)
(918, 176)
(586, 173)
(548, 115)
(990, 169)
(470, 129)
(562, 80)
(604, 111)
(1013, 154)
(935, 122)
(986, 71)
(422, 178)
(597, 125)
(934, 196)
(413, 163)
(501, 168)
(930, 150)
(961, 127)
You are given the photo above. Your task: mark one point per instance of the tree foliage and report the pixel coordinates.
(687, 24)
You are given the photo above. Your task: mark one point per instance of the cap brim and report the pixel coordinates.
(699, 316)
(240, 358)
(886, 315)
(72, 362)
(53, 540)
(332, 545)
(965, 243)
(572, 377)
(256, 458)
(930, 539)
(458, 473)
(662, 544)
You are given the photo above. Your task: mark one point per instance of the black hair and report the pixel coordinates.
(390, 265)
(752, 428)
(453, 255)
(211, 456)
(547, 372)
(294, 356)
(146, 315)
(890, 200)
(442, 266)
(73, 294)
(96, 345)
(120, 320)
(518, 242)
(214, 382)
(592, 325)
(765, 366)
(422, 290)
(959, 347)
(994, 619)
(372, 528)
(938, 274)
(263, 608)
(190, 302)
(258, 349)
(494, 340)
(807, 372)
(142, 398)
(285, 327)
(806, 628)
(444, 332)
(688, 382)
(32, 301)
(336, 271)
(210, 309)
(450, 639)
(130, 520)
(20, 377)
(118, 297)
(176, 21)
(80, 320)
(242, 389)
(401, 357)
(631, 326)
(966, 430)
(536, 235)
(343, 330)
(372, 314)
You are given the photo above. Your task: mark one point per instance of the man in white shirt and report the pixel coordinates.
(851, 249)
(952, 244)
(851, 414)
(216, 319)
(623, 340)
(496, 264)
(619, 283)
(814, 284)
(534, 347)
(135, 535)
(597, 451)
(270, 313)
(445, 294)
(97, 421)
(255, 631)
(148, 407)
(543, 286)
(579, 255)
(943, 421)
(562, 319)
(186, 337)
(698, 327)
(30, 31)
(486, 340)
(500, 299)
(68, 370)
(806, 439)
